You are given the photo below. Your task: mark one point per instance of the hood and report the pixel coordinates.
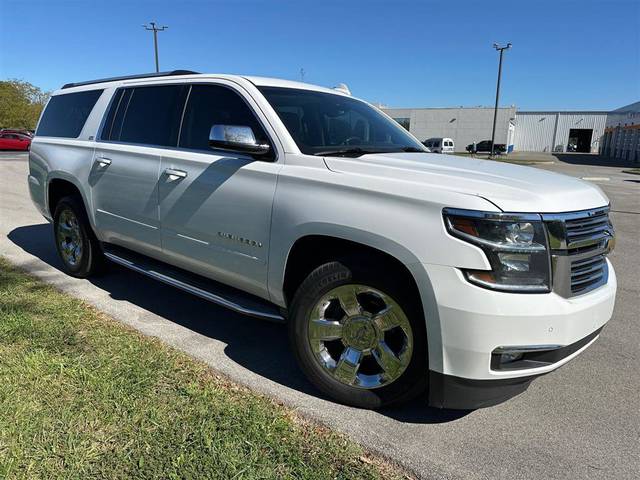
(512, 188)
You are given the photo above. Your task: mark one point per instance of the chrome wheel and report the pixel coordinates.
(69, 238)
(360, 336)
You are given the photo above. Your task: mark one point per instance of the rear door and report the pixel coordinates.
(124, 177)
(215, 206)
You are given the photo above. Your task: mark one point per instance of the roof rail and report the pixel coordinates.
(130, 77)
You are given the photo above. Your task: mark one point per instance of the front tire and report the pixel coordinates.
(77, 245)
(359, 335)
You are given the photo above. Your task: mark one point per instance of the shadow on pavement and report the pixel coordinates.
(257, 345)
(593, 160)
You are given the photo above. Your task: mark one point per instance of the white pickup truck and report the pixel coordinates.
(399, 272)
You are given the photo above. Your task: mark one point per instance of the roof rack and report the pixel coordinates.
(130, 77)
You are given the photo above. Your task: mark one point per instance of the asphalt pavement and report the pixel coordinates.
(580, 422)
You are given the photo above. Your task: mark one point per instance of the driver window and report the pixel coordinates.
(210, 105)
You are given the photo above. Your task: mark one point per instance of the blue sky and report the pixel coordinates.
(566, 54)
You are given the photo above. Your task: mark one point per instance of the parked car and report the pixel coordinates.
(28, 133)
(14, 141)
(397, 271)
(439, 145)
(485, 147)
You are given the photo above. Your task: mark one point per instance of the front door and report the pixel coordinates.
(215, 206)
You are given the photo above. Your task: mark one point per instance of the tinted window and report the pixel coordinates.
(107, 127)
(325, 123)
(66, 114)
(210, 105)
(149, 115)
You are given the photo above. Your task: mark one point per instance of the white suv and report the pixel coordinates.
(398, 271)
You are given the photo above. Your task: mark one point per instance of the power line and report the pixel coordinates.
(153, 26)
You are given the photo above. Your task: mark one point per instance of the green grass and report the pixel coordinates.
(84, 397)
(635, 171)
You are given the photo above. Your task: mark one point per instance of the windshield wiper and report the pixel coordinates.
(347, 152)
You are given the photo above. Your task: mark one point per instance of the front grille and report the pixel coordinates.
(579, 242)
(587, 232)
(587, 273)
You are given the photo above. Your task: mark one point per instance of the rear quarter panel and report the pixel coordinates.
(67, 159)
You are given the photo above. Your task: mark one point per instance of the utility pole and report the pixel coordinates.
(302, 72)
(495, 111)
(153, 26)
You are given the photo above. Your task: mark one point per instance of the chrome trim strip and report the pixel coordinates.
(192, 239)
(501, 216)
(576, 214)
(125, 218)
(526, 348)
(194, 290)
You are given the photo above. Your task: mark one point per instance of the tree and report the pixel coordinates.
(20, 104)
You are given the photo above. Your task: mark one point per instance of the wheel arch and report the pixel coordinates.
(60, 185)
(312, 250)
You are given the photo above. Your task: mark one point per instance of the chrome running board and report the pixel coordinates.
(215, 292)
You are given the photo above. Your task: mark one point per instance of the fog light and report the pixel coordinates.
(510, 357)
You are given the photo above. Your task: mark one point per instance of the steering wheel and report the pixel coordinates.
(352, 141)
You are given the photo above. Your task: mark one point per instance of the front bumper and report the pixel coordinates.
(448, 391)
(471, 322)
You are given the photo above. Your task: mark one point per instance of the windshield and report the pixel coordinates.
(330, 124)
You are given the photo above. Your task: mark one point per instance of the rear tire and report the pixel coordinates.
(77, 245)
(390, 350)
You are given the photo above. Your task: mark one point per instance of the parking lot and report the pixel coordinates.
(583, 421)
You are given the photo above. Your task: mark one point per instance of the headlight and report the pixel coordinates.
(515, 245)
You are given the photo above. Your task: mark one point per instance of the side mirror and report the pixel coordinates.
(236, 138)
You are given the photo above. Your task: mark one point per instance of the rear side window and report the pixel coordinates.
(210, 105)
(66, 114)
(146, 115)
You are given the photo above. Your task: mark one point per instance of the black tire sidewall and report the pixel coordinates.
(88, 261)
(411, 383)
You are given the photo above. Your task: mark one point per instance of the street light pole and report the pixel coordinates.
(153, 27)
(495, 111)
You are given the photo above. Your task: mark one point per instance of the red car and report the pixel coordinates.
(14, 141)
(18, 131)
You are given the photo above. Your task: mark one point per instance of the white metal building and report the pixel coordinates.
(463, 125)
(559, 131)
(548, 131)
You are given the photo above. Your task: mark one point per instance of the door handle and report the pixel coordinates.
(175, 174)
(103, 161)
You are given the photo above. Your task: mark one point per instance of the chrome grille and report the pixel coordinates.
(579, 242)
(587, 273)
(587, 232)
